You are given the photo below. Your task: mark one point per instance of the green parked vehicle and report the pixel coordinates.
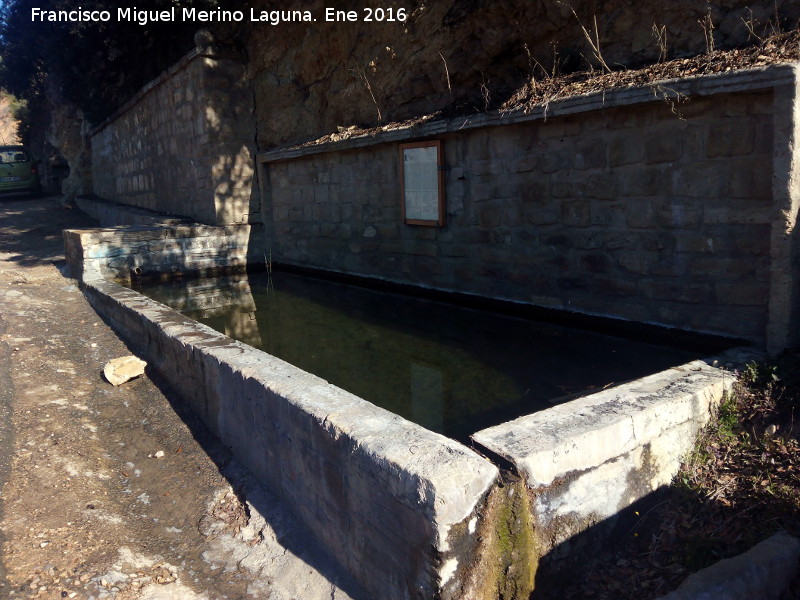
(18, 171)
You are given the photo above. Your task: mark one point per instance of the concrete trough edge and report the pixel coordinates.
(587, 460)
(398, 504)
(387, 497)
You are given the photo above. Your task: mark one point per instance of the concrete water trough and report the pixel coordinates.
(409, 512)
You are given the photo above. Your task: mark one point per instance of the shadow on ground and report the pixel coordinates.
(739, 486)
(35, 237)
(30, 242)
(290, 532)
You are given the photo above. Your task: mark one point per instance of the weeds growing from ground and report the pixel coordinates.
(742, 482)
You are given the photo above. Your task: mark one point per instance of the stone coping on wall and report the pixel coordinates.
(181, 64)
(669, 90)
(113, 214)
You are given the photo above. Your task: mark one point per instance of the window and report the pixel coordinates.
(13, 154)
(422, 183)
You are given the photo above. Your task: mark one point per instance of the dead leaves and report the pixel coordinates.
(740, 485)
(775, 49)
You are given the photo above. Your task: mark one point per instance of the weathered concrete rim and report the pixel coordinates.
(582, 463)
(334, 405)
(543, 445)
(745, 80)
(585, 462)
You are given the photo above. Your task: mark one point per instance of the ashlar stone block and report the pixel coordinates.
(732, 137)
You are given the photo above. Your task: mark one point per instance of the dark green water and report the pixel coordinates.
(451, 369)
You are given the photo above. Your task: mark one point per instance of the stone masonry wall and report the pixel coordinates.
(124, 253)
(655, 213)
(183, 145)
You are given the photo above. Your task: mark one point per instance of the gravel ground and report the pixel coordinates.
(89, 506)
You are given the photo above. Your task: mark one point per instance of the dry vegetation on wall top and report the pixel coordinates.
(537, 81)
(543, 88)
(470, 56)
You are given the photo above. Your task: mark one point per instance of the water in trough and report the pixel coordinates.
(452, 369)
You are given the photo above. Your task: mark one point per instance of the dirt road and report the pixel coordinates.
(90, 508)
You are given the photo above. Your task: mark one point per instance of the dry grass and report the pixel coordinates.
(548, 85)
(773, 49)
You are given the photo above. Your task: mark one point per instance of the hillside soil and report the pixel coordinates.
(548, 84)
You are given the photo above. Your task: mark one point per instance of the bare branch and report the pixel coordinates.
(446, 72)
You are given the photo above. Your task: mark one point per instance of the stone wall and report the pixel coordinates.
(183, 145)
(156, 251)
(654, 211)
(650, 209)
(635, 213)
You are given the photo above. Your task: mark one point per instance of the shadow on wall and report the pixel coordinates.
(130, 251)
(177, 256)
(794, 318)
(235, 190)
(184, 144)
(230, 132)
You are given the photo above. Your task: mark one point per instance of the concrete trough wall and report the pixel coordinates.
(410, 513)
(585, 461)
(120, 253)
(389, 499)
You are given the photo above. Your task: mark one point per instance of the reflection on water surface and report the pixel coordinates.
(451, 369)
